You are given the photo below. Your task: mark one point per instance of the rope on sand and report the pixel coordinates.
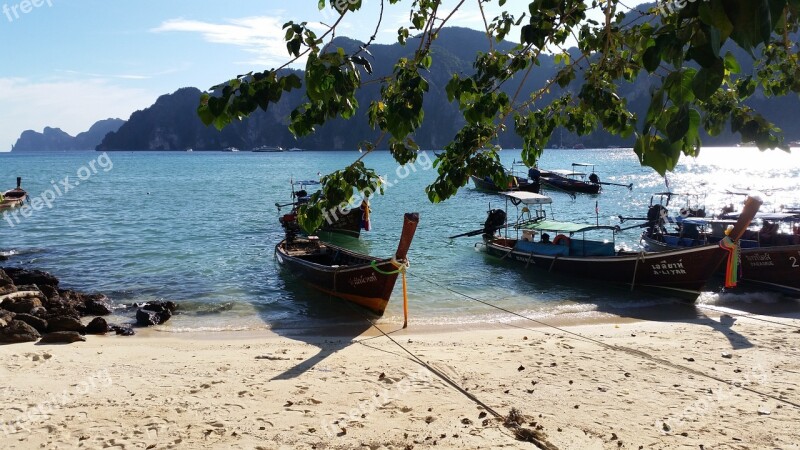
(520, 432)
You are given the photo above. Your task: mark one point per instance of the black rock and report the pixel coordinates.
(62, 311)
(37, 277)
(71, 299)
(6, 283)
(21, 305)
(62, 337)
(64, 323)
(38, 312)
(146, 317)
(122, 331)
(6, 316)
(50, 292)
(98, 325)
(18, 331)
(159, 306)
(36, 322)
(96, 305)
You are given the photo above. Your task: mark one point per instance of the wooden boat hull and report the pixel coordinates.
(565, 184)
(13, 198)
(776, 268)
(681, 273)
(361, 279)
(361, 284)
(348, 224)
(490, 186)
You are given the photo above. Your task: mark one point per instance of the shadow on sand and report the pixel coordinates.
(720, 315)
(328, 323)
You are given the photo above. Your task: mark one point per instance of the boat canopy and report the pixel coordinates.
(565, 227)
(529, 198)
(567, 173)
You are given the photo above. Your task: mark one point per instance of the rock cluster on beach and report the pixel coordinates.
(33, 308)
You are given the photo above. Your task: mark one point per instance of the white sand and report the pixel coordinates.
(659, 385)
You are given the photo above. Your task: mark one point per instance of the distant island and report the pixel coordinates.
(54, 139)
(172, 124)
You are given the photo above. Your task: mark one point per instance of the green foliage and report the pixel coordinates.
(695, 87)
(340, 190)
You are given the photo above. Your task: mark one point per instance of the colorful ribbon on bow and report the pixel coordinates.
(732, 266)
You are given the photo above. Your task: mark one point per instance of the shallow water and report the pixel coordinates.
(200, 228)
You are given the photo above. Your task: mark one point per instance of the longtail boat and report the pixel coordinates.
(13, 197)
(564, 180)
(680, 272)
(517, 184)
(349, 223)
(770, 254)
(358, 278)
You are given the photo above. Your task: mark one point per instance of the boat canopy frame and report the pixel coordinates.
(566, 227)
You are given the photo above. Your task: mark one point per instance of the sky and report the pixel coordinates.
(69, 63)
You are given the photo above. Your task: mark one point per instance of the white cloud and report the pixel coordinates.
(260, 36)
(73, 106)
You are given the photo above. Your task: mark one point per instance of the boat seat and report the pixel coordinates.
(541, 249)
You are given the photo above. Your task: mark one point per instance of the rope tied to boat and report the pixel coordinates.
(732, 265)
(401, 268)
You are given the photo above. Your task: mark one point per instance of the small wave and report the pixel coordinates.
(204, 309)
(21, 252)
(218, 329)
(723, 298)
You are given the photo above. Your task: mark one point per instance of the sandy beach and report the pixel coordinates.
(708, 380)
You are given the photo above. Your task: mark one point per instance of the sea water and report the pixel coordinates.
(200, 229)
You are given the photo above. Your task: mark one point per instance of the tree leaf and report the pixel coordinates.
(708, 80)
(678, 125)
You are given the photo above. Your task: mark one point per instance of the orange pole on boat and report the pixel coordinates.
(405, 301)
(409, 227)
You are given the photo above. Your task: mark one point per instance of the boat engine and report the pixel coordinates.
(656, 218)
(290, 226)
(495, 219)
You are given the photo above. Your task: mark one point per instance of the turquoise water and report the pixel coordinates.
(200, 229)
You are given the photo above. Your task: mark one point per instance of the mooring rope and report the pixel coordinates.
(449, 381)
